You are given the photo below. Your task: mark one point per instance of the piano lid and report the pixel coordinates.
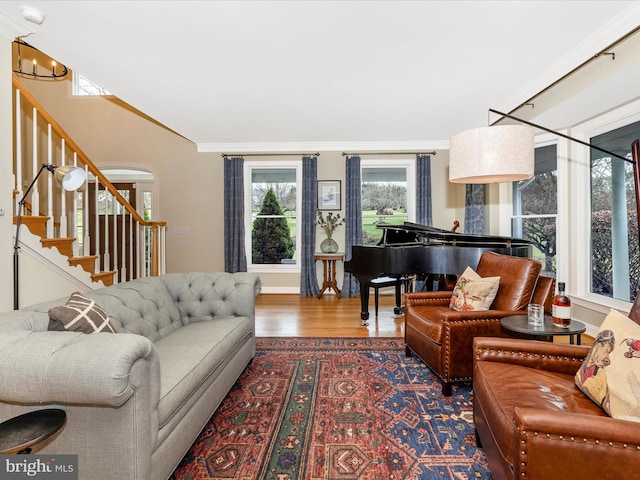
(410, 232)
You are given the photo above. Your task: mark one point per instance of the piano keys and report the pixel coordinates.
(412, 248)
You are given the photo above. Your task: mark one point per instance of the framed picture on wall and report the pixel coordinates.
(329, 197)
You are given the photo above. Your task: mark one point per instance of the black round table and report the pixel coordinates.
(20, 434)
(520, 324)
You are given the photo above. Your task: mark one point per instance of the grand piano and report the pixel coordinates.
(412, 248)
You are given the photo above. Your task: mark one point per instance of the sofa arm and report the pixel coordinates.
(416, 299)
(561, 445)
(76, 368)
(554, 357)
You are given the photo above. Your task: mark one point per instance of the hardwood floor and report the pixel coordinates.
(292, 316)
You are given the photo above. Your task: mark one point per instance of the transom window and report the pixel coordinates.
(82, 86)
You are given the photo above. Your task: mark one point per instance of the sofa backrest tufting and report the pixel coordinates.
(143, 306)
(156, 306)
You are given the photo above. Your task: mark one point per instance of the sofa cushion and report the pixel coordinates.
(472, 292)
(610, 374)
(80, 314)
(195, 354)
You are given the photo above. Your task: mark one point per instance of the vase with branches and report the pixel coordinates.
(329, 225)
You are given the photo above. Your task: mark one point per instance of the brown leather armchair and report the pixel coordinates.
(534, 423)
(443, 338)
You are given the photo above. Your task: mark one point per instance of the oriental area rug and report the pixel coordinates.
(337, 409)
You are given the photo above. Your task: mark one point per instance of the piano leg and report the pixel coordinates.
(398, 310)
(364, 299)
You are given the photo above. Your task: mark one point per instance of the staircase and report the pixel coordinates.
(64, 246)
(95, 231)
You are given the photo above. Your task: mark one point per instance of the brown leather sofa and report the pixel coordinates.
(443, 338)
(534, 423)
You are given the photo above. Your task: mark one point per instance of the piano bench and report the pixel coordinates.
(382, 282)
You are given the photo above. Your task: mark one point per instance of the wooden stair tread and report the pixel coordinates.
(37, 224)
(87, 262)
(105, 277)
(64, 245)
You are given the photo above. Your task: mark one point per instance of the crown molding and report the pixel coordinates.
(286, 147)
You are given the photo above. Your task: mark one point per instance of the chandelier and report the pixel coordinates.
(35, 63)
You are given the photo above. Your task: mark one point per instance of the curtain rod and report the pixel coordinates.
(225, 155)
(344, 154)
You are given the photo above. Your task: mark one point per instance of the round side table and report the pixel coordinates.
(20, 434)
(520, 324)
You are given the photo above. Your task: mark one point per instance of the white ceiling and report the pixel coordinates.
(307, 75)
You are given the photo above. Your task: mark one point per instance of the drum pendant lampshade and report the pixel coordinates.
(503, 153)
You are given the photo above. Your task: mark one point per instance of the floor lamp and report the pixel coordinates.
(70, 178)
(505, 153)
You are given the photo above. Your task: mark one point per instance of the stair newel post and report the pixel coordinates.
(140, 249)
(163, 250)
(154, 250)
(35, 196)
(64, 231)
(50, 220)
(18, 172)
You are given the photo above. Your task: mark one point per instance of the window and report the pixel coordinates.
(272, 203)
(82, 86)
(614, 220)
(388, 195)
(535, 208)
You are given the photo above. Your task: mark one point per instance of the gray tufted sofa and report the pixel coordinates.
(137, 399)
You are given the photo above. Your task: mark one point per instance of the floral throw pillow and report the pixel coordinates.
(610, 374)
(80, 314)
(472, 292)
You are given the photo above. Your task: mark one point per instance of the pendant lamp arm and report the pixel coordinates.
(531, 124)
(634, 160)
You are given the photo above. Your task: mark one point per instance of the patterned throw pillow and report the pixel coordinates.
(472, 292)
(80, 314)
(610, 374)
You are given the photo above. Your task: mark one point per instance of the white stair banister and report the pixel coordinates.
(106, 254)
(63, 231)
(50, 220)
(114, 207)
(97, 242)
(35, 192)
(86, 240)
(18, 148)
